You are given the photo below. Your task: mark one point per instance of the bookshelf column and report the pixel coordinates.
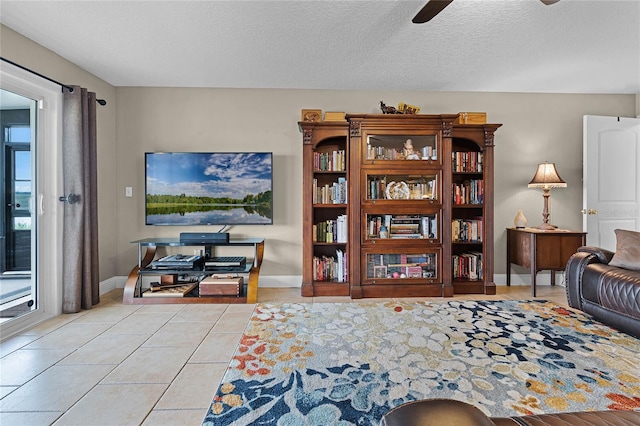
(325, 201)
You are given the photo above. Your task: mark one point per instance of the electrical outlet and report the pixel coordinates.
(128, 191)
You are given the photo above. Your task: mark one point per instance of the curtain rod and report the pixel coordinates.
(64, 86)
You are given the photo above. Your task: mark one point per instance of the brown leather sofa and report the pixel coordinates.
(608, 293)
(449, 412)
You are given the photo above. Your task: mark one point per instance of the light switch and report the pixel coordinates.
(128, 191)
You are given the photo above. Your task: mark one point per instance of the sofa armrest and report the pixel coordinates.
(603, 255)
(574, 271)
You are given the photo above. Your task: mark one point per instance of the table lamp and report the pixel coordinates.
(547, 177)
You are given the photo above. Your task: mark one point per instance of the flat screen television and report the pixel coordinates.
(208, 188)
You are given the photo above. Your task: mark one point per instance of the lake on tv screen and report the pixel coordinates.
(228, 216)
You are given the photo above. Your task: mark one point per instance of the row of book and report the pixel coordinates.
(402, 226)
(331, 268)
(331, 231)
(334, 161)
(467, 161)
(467, 266)
(467, 230)
(468, 192)
(335, 193)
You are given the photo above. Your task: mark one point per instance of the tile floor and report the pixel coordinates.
(130, 365)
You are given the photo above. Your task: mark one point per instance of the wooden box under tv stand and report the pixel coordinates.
(133, 287)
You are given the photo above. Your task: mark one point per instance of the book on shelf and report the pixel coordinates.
(334, 161)
(331, 268)
(467, 230)
(468, 192)
(334, 193)
(467, 161)
(429, 226)
(467, 266)
(331, 231)
(403, 226)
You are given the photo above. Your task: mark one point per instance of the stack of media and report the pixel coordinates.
(178, 261)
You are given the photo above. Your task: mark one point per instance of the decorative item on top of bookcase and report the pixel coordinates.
(471, 118)
(334, 116)
(402, 109)
(408, 109)
(311, 115)
(388, 109)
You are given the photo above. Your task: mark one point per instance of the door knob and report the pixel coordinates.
(71, 198)
(589, 211)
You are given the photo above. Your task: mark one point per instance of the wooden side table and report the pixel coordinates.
(541, 250)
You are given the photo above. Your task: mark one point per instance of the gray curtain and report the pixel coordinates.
(80, 241)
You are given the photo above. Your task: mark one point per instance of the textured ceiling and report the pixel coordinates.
(574, 46)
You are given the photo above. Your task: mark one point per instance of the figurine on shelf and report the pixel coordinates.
(409, 153)
(408, 109)
(388, 109)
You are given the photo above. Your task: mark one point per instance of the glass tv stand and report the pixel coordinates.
(133, 289)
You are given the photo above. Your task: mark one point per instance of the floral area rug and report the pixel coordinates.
(349, 363)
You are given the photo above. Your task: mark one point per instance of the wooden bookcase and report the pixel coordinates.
(325, 196)
(402, 206)
(406, 191)
(472, 179)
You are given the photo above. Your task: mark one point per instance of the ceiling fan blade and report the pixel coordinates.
(430, 10)
(548, 2)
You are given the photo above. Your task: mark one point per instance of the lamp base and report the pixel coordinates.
(547, 227)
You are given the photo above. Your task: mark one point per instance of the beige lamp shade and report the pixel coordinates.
(547, 177)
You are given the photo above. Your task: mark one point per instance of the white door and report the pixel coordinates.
(611, 178)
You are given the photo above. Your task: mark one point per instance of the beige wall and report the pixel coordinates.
(536, 128)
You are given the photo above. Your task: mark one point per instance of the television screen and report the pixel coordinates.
(214, 188)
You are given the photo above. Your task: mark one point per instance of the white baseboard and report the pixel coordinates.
(111, 284)
(280, 281)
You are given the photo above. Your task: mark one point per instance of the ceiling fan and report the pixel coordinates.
(433, 7)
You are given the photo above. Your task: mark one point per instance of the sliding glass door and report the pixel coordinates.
(31, 215)
(19, 239)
